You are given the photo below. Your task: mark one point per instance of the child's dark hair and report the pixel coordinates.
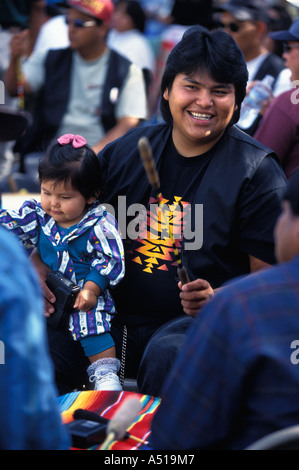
(78, 166)
(213, 52)
(292, 193)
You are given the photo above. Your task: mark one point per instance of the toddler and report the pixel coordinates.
(74, 234)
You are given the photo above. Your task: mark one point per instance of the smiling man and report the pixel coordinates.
(202, 159)
(201, 109)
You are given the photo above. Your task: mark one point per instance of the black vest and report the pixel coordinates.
(272, 65)
(52, 100)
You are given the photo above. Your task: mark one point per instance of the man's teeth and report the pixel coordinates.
(204, 117)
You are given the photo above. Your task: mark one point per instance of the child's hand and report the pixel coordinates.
(86, 300)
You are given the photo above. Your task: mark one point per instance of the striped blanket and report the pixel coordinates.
(105, 404)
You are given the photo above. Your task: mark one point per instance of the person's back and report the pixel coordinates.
(29, 413)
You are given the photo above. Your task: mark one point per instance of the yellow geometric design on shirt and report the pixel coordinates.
(155, 249)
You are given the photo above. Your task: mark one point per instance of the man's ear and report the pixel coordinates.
(261, 28)
(166, 94)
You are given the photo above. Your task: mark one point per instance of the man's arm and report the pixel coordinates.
(122, 126)
(130, 109)
(18, 48)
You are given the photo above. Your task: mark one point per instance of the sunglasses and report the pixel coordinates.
(233, 27)
(80, 23)
(289, 47)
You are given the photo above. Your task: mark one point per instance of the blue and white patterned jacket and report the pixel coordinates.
(104, 249)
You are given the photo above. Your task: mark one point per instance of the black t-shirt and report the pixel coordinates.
(151, 258)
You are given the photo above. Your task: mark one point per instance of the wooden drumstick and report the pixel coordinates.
(154, 180)
(149, 163)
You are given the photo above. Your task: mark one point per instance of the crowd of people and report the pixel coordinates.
(215, 348)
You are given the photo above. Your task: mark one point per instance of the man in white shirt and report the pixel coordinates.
(78, 89)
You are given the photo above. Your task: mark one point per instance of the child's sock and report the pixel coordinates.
(104, 373)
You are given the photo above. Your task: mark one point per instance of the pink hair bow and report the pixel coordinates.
(77, 140)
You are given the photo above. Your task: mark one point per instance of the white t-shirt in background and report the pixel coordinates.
(87, 81)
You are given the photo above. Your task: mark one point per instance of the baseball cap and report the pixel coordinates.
(245, 10)
(291, 34)
(101, 9)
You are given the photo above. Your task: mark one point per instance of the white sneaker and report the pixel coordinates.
(106, 380)
(104, 373)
